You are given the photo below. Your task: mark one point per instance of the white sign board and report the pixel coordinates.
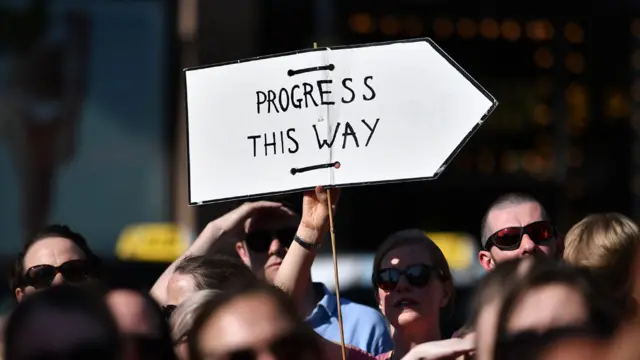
(331, 116)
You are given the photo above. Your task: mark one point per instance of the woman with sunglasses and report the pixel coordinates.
(411, 276)
(413, 287)
(56, 255)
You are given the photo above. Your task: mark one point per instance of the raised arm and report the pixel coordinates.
(295, 270)
(229, 227)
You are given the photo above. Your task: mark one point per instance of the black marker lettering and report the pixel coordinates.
(371, 129)
(348, 131)
(254, 137)
(268, 144)
(308, 92)
(295, 150)
(282, 141)
(271, 100)
(296, 102)
(324, 92)
(260, 101)
(325, 142)
(284, 106)
(373, 92)
(346, 87)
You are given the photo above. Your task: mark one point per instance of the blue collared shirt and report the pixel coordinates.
(364, 327)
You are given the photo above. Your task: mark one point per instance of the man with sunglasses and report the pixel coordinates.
(516, 225)
(261, 233)
(264, 247)
(221, 236)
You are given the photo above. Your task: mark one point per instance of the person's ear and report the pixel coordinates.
(243, 253)
(19, 294)
(484, 257)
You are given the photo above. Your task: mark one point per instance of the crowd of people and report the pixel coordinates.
(243, 290)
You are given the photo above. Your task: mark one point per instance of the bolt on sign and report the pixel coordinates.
(345, 116)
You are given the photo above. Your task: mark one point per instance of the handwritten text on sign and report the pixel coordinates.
(303, 96)
(355, 115)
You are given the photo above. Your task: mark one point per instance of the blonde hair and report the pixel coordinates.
(182, 317)
(605, 244)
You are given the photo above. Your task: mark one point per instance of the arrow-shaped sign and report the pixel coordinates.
(345, 116)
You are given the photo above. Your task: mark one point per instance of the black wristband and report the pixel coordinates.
(307, 245)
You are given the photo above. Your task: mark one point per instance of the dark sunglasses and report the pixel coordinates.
(511, 237)
(167, 310)
(260, 241)
(418, 275)
(73, 271)
(528, 344)
(288, 347)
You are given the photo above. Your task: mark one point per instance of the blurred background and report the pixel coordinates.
(92, 118)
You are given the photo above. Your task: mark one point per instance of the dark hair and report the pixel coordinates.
(510, 199)
(16, 277)
(215, 272)
(602, 317)
(284, 303)
(28, 327)
(417, 237)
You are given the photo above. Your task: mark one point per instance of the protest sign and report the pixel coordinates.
(342, 116)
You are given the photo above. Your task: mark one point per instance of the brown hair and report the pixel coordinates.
(606, 245)
(415, 237)
(215, 272)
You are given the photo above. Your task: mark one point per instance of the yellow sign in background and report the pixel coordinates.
(457, 248)
(155, 242)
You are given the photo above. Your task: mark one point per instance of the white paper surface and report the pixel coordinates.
(222, 113)
(424, 107)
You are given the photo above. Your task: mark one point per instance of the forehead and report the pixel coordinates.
(564, 306)
(52, 251)
(513, 215)
(246, 322)
(270, 220)
(406, 255)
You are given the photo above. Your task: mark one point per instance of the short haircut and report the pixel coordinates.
(215, 272)
(16, 277)
(606, 245)
(506, 200)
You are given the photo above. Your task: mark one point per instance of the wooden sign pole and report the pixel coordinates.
(335, 266)
(335, 274)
